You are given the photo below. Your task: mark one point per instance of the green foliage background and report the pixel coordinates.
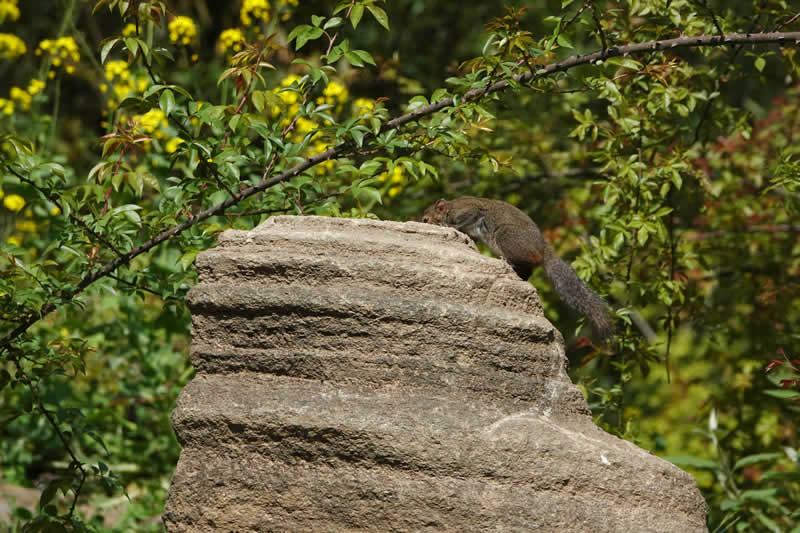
(669, 178)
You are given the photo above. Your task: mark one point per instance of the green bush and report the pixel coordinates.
(667, 173)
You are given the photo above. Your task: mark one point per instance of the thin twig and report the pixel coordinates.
(714, 20)
(786, 23)
(135, 286)
(672, 247)
(35, 391)
(52, 198)
(599, 29)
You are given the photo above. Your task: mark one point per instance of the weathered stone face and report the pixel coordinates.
(355, 375)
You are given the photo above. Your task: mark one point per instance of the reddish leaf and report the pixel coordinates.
(773, 364)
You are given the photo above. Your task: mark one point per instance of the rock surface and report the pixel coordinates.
(355, 375)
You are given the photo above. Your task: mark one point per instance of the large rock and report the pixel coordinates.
(355, 375)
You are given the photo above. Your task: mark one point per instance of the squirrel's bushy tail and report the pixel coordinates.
(574, 292)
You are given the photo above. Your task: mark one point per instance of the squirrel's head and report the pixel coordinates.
(435, 214)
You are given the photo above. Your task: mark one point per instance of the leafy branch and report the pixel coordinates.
(337, 151)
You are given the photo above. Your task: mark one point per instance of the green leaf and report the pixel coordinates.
(765, 495)
(106, 49)
(304, 33)
(379, 14)
(372, 194)
(135, 182)
(756, 458)
(166, 101)
(333, 23)
(314, 33)
(55, 168)
(187, 259)
(368, 168)
(767, 522)
(356, 14)
(691, 461)
(353, 58)
(133, 216)
(358, 136)
(364, 56)
(760, 63)
(562, 40)
(49, 493)
(642, 235)
(784, 394)
(258, 99)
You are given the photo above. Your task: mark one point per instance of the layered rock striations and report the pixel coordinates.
(356, 375)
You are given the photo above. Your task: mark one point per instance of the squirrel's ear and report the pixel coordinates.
(441, 205)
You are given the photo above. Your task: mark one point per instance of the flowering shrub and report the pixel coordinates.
(230, 40)
(11, 46)
(669, 175)
(182, 30)
(63, 52)
(254, 12)
(9, 10)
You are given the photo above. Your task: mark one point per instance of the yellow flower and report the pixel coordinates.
(64, 51)
(325, 166)
(254, 9)
(152, 122)
(26, 226)
(55, 211)
(14, 202)
(284, 4)
(173, 144)
(6, 106)
(123, 82)
(334, 94)
(230, 40)
(11, 46)
(363, 106)
(394, 191)
(129, 30)
(8, 10)
(303, 126)
(117, 69)
(21, 97)
(35, 86)
(182, 30)
(15, 240)
(395, 177)
(290, 98)
(290, 79)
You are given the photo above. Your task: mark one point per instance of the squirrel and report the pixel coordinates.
(512, 235)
